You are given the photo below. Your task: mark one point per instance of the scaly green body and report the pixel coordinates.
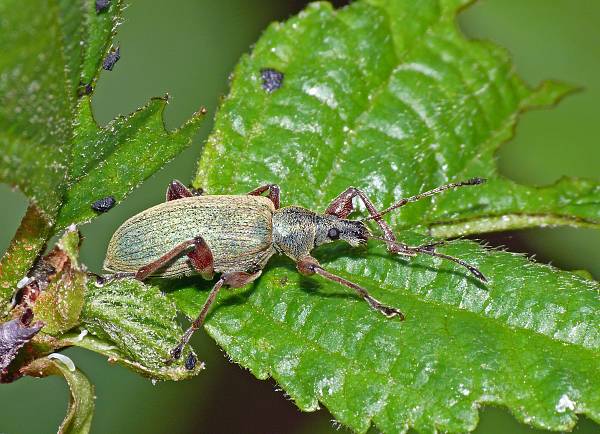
(237, 229)
(236, 236)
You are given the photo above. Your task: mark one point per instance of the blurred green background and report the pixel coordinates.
(188, 48)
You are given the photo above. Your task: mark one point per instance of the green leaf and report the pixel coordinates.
(139, 322)
(50, 144)
(113, 160)
(388, 96)
(81, 403)
(419, 94)
(528, 341)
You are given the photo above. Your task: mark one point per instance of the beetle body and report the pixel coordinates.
(236, 235)
(242, 232)
(237, 229)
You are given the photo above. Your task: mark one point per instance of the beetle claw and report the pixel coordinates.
(391, 312)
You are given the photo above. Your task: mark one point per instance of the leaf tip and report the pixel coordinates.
(549, 93)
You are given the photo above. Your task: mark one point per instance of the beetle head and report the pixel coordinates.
(331, 228)
(297, 230)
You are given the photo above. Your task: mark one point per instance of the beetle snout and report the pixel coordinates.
(355, 233)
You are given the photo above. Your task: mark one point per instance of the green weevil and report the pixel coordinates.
(235, 235)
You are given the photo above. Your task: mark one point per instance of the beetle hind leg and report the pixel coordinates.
(233, 280)
(200, 257)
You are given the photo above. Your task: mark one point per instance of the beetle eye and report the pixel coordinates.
(334, 234)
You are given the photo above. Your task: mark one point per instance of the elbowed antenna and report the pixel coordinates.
(416, 197)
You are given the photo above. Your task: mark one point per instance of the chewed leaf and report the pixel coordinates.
(113, 160)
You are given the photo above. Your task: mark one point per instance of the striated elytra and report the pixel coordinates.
(236, 235)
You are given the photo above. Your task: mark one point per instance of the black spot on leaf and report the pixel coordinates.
(272, 79)
(104, 204)
(84, 89)
(112, 58)
(190, 362)
(102, 5)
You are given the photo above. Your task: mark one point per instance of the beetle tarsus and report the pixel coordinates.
(387, 311)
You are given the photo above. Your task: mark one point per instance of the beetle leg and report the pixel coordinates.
(343, 205)
(108, 278)
(429, 249)
(176, 190)
(309, 266)
(201, 258)
(273, 193)
(233, 280)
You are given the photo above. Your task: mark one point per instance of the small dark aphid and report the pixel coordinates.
(236, 235)
(111, 59)
(272, 79)
(84, 89)
(102, 5)
(104, 204)
(190, 362)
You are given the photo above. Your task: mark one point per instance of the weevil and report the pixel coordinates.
(236, 235)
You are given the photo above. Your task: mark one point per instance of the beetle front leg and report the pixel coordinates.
(343, 205)
(309, 266)
(274, 193)
(233, 280)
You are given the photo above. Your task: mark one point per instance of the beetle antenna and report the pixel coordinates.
(428, 249)
(416, 197)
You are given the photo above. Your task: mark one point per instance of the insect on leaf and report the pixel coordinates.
(390, 97)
